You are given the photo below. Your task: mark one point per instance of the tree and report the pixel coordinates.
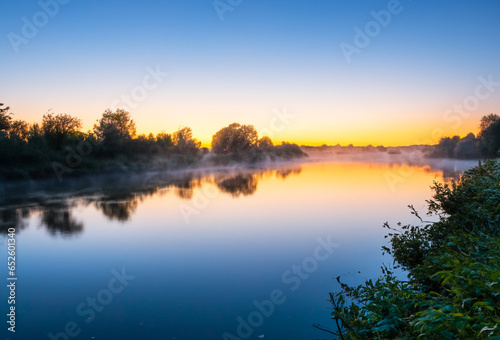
(5, 117)
(36, 139)
(466, 148)
(61, 124)
(265, 144)
(487, 121)
(446, 147)
(19, 129)
(234, 138)
(489, 140)
(34, 131)
(289, 151)
(58, 127)
(164, 140)
(184, 141)
(116, 125)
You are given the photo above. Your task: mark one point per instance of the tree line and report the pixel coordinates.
(485, 145)
(58, 144)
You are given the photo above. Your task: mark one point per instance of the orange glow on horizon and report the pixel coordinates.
(401, 136)
(386, 133)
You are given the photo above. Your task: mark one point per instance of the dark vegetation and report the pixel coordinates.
(58, 147)
(485, 145)
(453, 266)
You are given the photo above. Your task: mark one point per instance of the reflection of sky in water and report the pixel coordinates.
(193, 280)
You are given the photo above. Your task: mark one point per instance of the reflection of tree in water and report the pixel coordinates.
(13, 218)
(284, 173)
(241, 184)
(57, 218)
(119, 209)
(451, 174)
(447, 174)
(184, 188)
(118, 197)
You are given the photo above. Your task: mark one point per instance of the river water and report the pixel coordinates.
(206, 254)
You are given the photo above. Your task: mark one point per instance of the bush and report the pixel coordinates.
(287, 150)
(453, 291)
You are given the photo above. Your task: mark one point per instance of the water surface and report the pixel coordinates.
(202, 250)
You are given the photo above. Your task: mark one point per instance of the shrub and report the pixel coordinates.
(453, 290)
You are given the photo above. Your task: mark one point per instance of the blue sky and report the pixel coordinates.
(263, 57)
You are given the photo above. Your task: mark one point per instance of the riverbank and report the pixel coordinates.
(72, 163)
(453, 267)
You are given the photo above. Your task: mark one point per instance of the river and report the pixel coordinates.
(208, 254)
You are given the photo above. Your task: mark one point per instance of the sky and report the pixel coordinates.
(311, 72)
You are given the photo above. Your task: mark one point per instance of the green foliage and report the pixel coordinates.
(453, 265)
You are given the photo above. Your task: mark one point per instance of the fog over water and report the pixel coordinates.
(206, 246)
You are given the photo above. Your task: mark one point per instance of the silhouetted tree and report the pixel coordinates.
(118, 124)
(446, 147)
(5, 117)
(164, 140)
(34, 131)
(56, 128)
(289, 150)
(234, 138)
(58, 146)
(184, 141)
(487, 121)
(114, 129)
(265, 144)
(489, 140)
(466, 147)
(19, 129)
